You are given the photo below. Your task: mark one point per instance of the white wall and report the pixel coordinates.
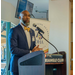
(60, 28)
(8, 12)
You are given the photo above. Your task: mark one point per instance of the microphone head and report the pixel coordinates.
(34, 25)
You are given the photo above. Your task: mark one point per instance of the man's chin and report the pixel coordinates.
(27, 24)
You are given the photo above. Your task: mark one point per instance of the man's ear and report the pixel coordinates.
(19, 17)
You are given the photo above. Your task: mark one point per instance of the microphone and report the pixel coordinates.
(40, 30)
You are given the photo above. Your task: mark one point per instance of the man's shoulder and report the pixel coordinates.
(17, 26)
(14, 29)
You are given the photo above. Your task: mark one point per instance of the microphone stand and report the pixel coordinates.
(48, 42)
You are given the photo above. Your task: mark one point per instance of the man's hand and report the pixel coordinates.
(36, 48)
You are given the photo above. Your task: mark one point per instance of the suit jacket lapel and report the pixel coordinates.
(24, 35)
(30, 37)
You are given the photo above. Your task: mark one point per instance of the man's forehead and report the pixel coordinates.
(25, 12)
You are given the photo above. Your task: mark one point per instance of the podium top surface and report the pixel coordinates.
(30, 55)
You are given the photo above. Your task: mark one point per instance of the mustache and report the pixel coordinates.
(26, 20)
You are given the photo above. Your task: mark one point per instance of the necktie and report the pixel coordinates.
(25, 28)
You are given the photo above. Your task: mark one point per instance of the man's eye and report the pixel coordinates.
(29, 15)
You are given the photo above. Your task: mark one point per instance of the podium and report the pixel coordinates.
(32, 64)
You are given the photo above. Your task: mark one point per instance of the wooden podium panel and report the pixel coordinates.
(56, 68)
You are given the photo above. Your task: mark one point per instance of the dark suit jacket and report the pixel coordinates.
(18, 45)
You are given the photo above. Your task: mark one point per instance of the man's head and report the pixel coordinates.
(25, 17)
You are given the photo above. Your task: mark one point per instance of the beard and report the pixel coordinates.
(25, 23)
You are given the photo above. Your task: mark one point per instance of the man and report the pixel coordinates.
(21, 41)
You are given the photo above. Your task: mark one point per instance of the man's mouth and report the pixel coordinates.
(27, 21)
